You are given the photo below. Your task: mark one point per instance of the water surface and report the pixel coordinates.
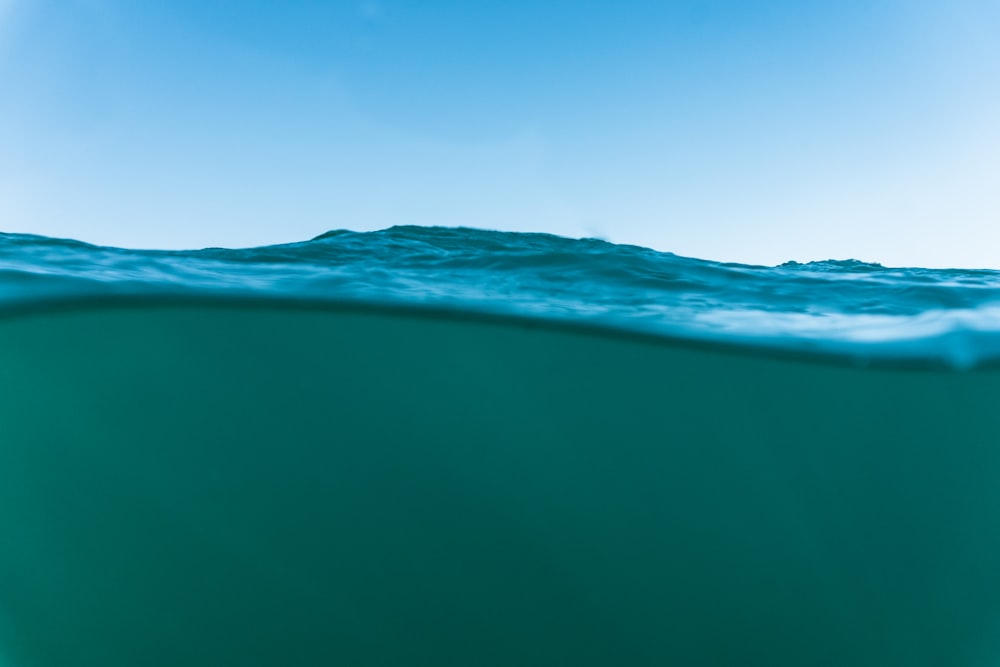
(453, 447)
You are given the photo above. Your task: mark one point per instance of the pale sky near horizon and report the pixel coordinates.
(736, 130)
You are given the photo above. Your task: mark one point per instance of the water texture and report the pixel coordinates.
(849, 310)
(457, 447)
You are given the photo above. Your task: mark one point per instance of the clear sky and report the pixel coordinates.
(739, 130)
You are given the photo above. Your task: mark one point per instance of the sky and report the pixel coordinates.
(755, 131)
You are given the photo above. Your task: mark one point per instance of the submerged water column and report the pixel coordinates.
(224, 484)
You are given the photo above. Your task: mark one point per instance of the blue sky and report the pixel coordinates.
(739, 130)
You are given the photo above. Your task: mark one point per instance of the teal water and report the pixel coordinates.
(457, 447)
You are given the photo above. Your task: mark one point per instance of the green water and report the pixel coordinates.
(252, 485)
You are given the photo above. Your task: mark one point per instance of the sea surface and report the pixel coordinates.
(431, 446)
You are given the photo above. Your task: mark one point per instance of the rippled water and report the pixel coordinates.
(451, 447)
(844, 309)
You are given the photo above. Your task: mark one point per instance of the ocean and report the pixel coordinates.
(431, 446)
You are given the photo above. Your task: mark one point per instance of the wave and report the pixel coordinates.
(452, 447)
(846, 311)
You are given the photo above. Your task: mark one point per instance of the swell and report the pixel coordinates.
(857, 312)
(235, 483)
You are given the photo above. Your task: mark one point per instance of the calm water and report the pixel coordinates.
(454, 447)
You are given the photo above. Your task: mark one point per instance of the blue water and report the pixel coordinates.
(849, 310)
(453, 447)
